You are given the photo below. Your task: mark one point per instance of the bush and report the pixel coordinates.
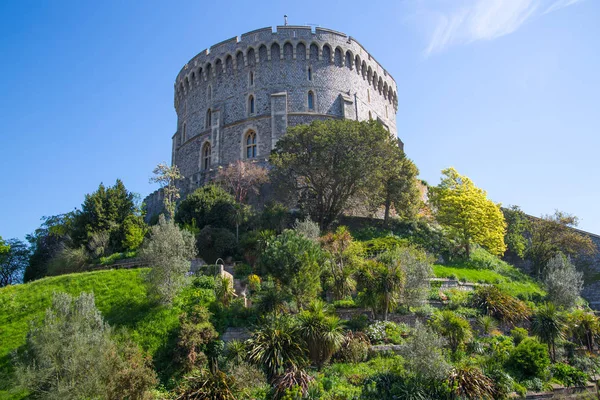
(493, 302)
(71, 355)
(354, 349)
(518, 335)
(214, 243)
(168, 252)
(568, 375)
(241, 271)
(358, 322)
(374, 247)
(530, 359)
(308, 228)
(67, 261)
(208, 205)
(423, 354)
(454, 328)
(563, 282)
(345, 303)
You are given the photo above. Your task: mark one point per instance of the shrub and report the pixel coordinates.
(423, 353)
(241, 271)
(390, 386)
(379, 245)
(133, 231)
(493, 302)
(214, 243)
(205, 384)
(67, 261)
(345, 303)
(518, 335)
(308, 228)
(168, 252)
(354, 348)
(251, 382)
(254, 282)
(487, 324)
(568, 375)
(358, 322)
(529, 359)
(454, 328)
(295, 380)
(471, 383)
(71, 355)
(194, 335)
(208, 205)
(563, 282)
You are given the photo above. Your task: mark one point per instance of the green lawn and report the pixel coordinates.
(511, 281)
(120, 296)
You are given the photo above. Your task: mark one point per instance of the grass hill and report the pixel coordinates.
(120, 296)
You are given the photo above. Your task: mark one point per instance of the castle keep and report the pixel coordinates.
(236, 99)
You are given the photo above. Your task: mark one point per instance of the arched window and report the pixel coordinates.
(311, 101)
(251, 105)
(206, 154)
(208, 119)
(251, 78)
(251, 144)
(309, 73)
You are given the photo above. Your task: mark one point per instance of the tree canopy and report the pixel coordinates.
(467, 213)
(328, 163)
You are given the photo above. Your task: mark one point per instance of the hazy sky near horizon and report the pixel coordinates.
(506, 91)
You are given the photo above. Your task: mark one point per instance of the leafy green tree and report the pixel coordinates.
(134, 229)
(208, 205)
(453, 327)
(467, 213)
(382, 282)
(342, 256)
(168, 252)
(4, 247)
(563, 282)
(46, 242)
(548, 324)
(327, 163)
(275, 346)
(517, 226)
(555, 233)
(14, 257)
(398, 185)
(321, 331)
(167, 177)
(71, 355)
(104, 211)
(296, 262)
(584, 328)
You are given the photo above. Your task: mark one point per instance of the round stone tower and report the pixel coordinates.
(236, 99)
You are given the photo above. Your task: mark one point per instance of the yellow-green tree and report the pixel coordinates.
(467, 213)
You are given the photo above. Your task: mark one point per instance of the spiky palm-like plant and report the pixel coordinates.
(470, 383)
(548, 325)
(208, 385)
(276, 346)
(323, 333)
(585, 328)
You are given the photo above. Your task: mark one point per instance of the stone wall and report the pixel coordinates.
(260, 82)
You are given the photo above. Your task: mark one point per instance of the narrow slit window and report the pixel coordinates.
(309, 73)
(208, 119)
(251, 80)
(251, 105)
(311, 101)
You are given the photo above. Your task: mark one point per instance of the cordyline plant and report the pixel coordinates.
(504, 307)
(469, 382)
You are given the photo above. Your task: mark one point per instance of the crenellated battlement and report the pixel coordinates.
(287, 43)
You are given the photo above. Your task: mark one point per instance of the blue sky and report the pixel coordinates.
(506, 91)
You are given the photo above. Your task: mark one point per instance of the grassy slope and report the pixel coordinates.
(120, 296)
(511, 281)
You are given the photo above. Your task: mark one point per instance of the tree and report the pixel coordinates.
(167, 178)
(296, 262)
(321, 331)
(342, 260)
(104, 212)
(382, 282)
(46, 242)
(275, 346)
(195, 333)
(134, 229)
(398, 185)
(327, 163)
(584, 328)
(423, 353)
(563, 282)
(467, 213)
(517, 225)
(14, 257)
(453, 327)
(548, 324)
(71, 355)
(552, 234)
(242, 178)
(168, 252)
(208, 205)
